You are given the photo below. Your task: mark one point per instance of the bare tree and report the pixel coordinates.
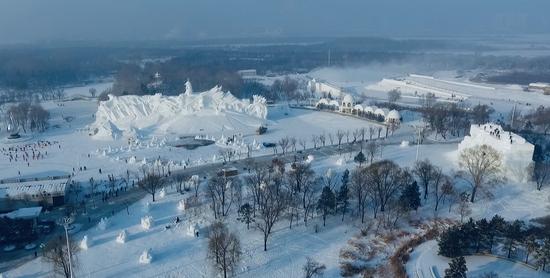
(372, 149)
(394, 95)
(224, 249)
(195, 182)
(222, 191)
(314, 140)
(284, 144)
(340, 136)
(293, 142)
(180, 180)
(359, 190)
(386, 179)
(151, 183)
(323, 139)
(541, 174)
(425, 171)
(56, 254)
(302, 143)
(482, 164)
(313, 268)
(226, 154)
(271, 205)
(331, 138)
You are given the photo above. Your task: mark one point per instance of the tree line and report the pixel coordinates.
(515, 239)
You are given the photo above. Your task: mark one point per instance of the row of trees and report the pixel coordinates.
(29, 117)
(484, 235)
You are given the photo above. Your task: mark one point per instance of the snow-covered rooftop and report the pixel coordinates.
(18, 189)
(23, 213)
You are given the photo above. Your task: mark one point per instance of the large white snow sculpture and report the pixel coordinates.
(145, 257)
(516, 152)
(147, 222)
(206, 112)
(122, 236)
(84, 243)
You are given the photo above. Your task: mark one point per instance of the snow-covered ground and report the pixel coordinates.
(176, 254)
(424, 261)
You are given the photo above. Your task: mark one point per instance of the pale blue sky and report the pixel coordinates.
(120, 20)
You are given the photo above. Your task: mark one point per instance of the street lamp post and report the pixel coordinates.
(65, 222)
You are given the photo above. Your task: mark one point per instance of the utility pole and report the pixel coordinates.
(328, 59)
(65, 222)
(513, 117)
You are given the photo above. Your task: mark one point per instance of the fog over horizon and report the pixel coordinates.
(31, 21)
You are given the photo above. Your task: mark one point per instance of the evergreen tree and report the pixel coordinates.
(360, 158)
(543, 253)
(483, 228)
(342, 198)
(497, 227)
(246, 214)
(410, 197)
(326, 203)
(451, 243)
(457, 268)
(513, 233)
(345, 177)
(531, 246)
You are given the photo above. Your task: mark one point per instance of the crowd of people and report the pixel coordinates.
(29, 152)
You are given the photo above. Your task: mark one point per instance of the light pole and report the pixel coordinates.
(65, 222)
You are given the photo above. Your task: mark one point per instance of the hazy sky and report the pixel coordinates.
(120, 20)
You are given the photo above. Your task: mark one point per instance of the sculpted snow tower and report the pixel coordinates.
(516, 152)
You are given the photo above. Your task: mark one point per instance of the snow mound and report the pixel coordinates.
(84, 243)
(147, 222)
(310, 158)
(122, 236)
(103, 224)
(145, 257)
(404, 144)
(516, 152)
(206, 112)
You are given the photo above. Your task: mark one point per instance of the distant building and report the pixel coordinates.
(324, 89)
(540, 86)
(348, 104)
(247, 73)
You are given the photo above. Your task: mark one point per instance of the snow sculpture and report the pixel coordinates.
(516, 152)
(310, 158)
(404, 144)
(84, 243)
(147, 222)
(127, 116)
(122, 236)
(193, 229)
(340, 162)
(162, 193)
(145, 257)
(188, 88)
(103, 223)
(181, 205)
